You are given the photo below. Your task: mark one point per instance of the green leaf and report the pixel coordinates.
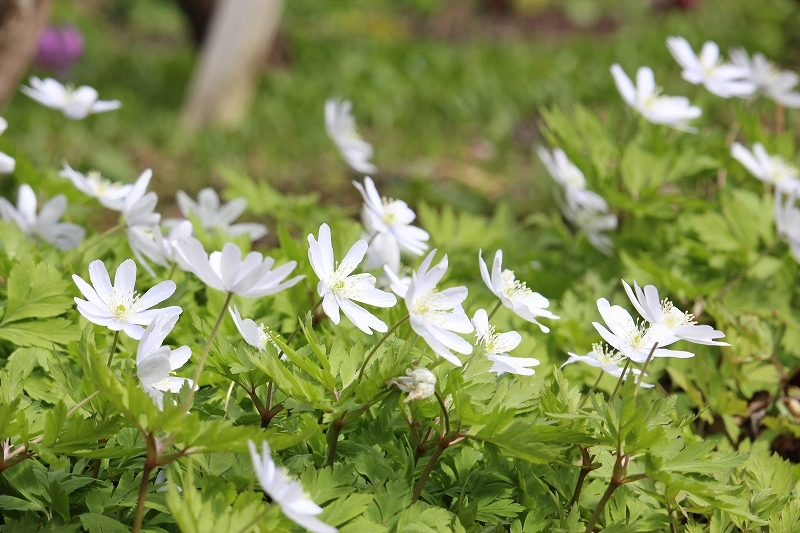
(35, 291)
(41, 333)
(97, 523)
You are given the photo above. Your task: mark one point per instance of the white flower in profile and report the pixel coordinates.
(45, 225)
(571, 180)
(141, 221)
(777, 85)
(287, 493)
(341, 128)
(155, 363)
(645, 98)
(497, 345)
(420, 384)
(514, 294)
(75, 103)
(253, 334)
(214, 216)
(226, 271)
(119, 307)
(110, 194)
(606, 359)
(180, 231)
(594, 224)
(722, 79)
(787, 221)
(7, 163)
(339, 289)
(768, 168)
(437, 316)
(397, 283)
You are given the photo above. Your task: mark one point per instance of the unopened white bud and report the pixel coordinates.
(419, 383)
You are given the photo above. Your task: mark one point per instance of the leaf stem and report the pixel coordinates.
(199, 372)
(149, 464)
(428, 469)
(644, 367)
(381, 341)
(619, 381)
(586, 467)
(336, 428)
(445, 426)
(591, 390)
(113, 348)
(496, 308)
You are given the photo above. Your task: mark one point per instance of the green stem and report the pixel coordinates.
(381, 341)
(445, 426)
(83, 402)
(619, 381)
(596, 383)
(428, 469)
(601, 504)
(149, 465)
(336, 428)
(199, 372)
(644, 368)
(172, 270)
(496, 308)
(113, 348)
(586, 467)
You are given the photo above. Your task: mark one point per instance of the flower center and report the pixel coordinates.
(574, 178)
(100, 184)
(606, 356)
(513, 288)
(122, 305)
(781, 170)
(426, 306)
(637, 335)
(672, 317)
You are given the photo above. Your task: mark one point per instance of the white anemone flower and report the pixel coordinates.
(119, 307)
(75, 103)
(594, 224)
(180, 231)
(571, 180)
(215, 216)
(787, 221)
(7, 163)
(155, 363)
(768, 168)
(287, 493)
(397, 283)
(110, 194)
(606, 359)
(339, 289)
(141, 221)
(777, 85)
(226, 271)
(437, 316)
(497, 345)
(253, 334)
(420, 384)
(341, 128)
(645, 98)
(45, 225)
(514, 294)
(722, 79)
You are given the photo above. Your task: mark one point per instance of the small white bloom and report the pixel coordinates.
(110, 194)
(118, 307)
(7, 163)
(768, 168)
(383, 251)
(571, 180)
(776, 84)
(141, 220)
(420, 384)
(214, 216)
(608, 360)
(497, 345)
(155, 363)
(397, 283)
(341, 128)
(287, 493)
(514, 294)
(225, 271)
(75, 103)
(645, 98)
(722, 79)
(437, 316)
(594, 224)
(787, 221)
(253, 334)
(46, 225)
(180, 231)
(339, 289)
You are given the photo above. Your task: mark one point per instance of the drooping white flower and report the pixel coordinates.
(593, 224)
(420, 384)
(607, 360)
(214, 216)
(7, 163)
(497, 345)
(287, 493)
(571, 180)
(155, 363)
(226, 271)
(339, 289)
(777, 85)
(253, 334)
(787, 221)
(768, 168)
(645, 98)
(722, 79)
(341, 128)
(45, 225)
(119, 307)
(75, 103)
(110, 194)
(437, 316)
(514, 294)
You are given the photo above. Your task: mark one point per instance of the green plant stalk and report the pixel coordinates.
(150, 463)
(591, 390)
(619, 381)
(613, 486)
(199, 372)
(644, 368)
(445, 426)
(336, 428)
(437, 452)
(113, 348)
(586, 467)
(381, 341)
(497, 307)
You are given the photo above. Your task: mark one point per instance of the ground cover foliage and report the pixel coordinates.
(86, 447)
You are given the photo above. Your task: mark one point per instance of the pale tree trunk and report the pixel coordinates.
(232, 55)
(21, 22)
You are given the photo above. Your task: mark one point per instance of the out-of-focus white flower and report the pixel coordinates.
(571, 180)
(420, 384)
(514, 294)
(768, 168)
(118, 307)
(287, 493)
(7, 163)
(645, 97)
(253, 334)
(497, 345)
(341, 128)
(213, 216)
(225, 271)
(155, 363)
(141, 221)
(397, 283)
(776, 84)
(594, 224)
(722, 79)
(339, 289)
(787, 221)
(180, 231)
(437, 316)
(46, 225)
(75, 103)
(607, 360)
(110, 194)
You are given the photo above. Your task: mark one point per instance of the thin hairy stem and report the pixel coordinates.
(613, 486)
(199, 372)
(586, 467)
(381, 341)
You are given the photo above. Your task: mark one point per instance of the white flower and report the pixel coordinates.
(645, 97)
(634, 340)
(383, 251)
(438, 316)
(288, 494)
(212, 215)
(46, 225)
(341, 128)
(399, 285)
(74, 103)
(138, 214)
(155, 363)
(253, 334)
(607, 360)
(7, 163)
(180, 231)
(110, 194)
(339, 289)
(722, 79)
(497, 345)
(768, 168)
(514, 294)
(787, 221)
(594, 224)
(776, 84)
(420, 383)
(664, 315)
(225, 271)
(118, 307)
(571, 179)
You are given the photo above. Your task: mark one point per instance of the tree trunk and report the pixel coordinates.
(21, 23)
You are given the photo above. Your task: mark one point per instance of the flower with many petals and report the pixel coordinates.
(722, 79)
(607, 360)
(155, 363)
(497, 345)
(768, 168)
(420, 384)
(75, 103)
(214, 216)
(253, 334)
(7, 163)
(111, 194)
(46, 225)
(341, 128)
(778, 85)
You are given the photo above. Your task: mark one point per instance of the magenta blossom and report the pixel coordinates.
(59, 48)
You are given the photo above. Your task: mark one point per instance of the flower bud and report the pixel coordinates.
(420, 383)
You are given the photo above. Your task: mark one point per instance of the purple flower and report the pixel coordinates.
(59, 48)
